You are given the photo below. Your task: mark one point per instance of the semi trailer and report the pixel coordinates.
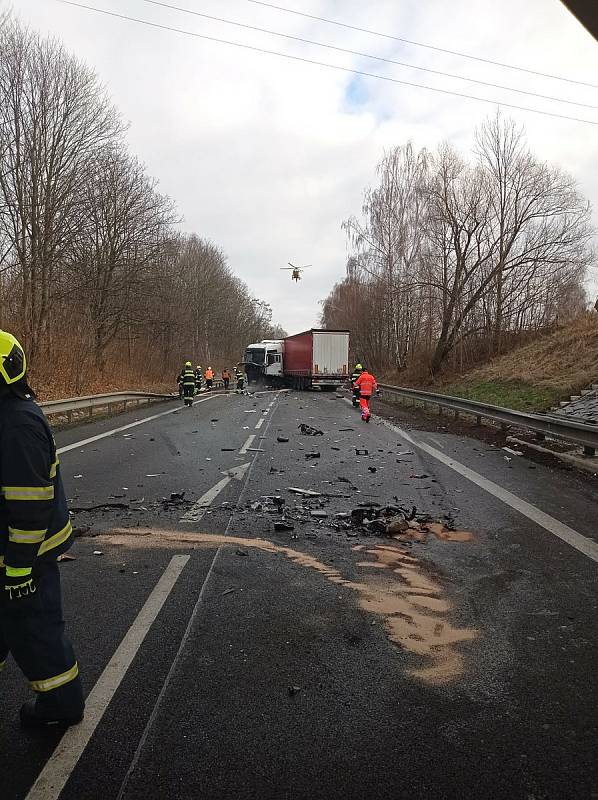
(317, 358)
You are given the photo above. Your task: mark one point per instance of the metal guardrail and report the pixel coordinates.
(66, 408)
(582, 433)
(95, 401)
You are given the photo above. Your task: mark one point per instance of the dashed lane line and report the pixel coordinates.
(59, 767)
(247, 445)
(112, 432)
(260, 422)
(572, 537)
(166, 684)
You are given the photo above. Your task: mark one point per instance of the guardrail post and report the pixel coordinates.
(69, 417)
(456, 415)
(478, 420)
(589, 451)
(540, 436)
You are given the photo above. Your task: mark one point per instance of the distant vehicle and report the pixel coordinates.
(317, 358)
(296, 276)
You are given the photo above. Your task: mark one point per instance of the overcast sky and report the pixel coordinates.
(267, 156)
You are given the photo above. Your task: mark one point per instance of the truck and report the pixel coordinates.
(317, 358)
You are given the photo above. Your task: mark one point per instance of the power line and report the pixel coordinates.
(323, 64)
(365, 55)
(420, 44)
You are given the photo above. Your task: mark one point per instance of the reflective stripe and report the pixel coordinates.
(2, 665)
(57, 539)
(18, 572)
(54, 467)
(26, 537)
(56, 682)
(28, 492)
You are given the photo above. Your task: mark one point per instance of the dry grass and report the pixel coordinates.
(566, 360)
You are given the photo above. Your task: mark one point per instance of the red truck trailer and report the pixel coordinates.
(316, 358)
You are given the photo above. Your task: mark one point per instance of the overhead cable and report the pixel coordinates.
(336, 67)
(365, 55)
(346, 25)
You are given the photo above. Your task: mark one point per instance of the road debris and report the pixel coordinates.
(283, 525)
(305, 492)
(282, 439)
(293, 690)
(66, 557)
(315, 454)
(307, 430)
(98, 553)
(361, 452)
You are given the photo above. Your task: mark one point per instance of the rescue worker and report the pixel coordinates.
(179, 380)
(209, 376)
(354, 375)
(226, 379)
(367, 385)
(34, 529)
(198, 378)
(188, 376)
(240, 376)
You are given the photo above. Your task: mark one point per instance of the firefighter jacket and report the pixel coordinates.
(367, 384)
(188, 375)
(34, 518)
(354, 375)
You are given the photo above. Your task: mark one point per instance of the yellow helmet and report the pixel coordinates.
(188, 364)
(13, 364)
(358, 366)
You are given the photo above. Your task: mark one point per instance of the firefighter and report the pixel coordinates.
(367, 385)
(354, 375)
(198, 378)
(188, 375)
(209, 376)
(240, 376)
(226, 379)
(34, 529)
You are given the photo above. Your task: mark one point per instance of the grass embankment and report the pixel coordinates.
(537, 375)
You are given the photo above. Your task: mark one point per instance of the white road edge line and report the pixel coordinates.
(260, 422)
(572, 537)
(247, 445)
(105, 435)
(59, 767)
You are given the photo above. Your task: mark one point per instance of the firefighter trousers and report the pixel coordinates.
(34, 635)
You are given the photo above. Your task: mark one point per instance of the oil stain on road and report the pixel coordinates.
(394, 587)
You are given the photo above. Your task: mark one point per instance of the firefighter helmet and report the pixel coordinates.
(13, 364)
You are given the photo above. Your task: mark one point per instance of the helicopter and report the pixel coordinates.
(296, 276)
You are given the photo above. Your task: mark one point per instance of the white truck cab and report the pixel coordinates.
(263, 360)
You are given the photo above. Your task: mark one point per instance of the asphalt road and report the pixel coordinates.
(457, 661)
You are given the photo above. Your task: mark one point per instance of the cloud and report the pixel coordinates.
(266, 156)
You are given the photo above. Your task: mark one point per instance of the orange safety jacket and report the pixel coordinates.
(367, 384)
(209, 374)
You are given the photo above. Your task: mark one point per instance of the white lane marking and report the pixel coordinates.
(52, 779)
(260, 422)
(572, 537)
(199, 508)
(104, 435)
(247, 445)
(437, 442)
(173, 666)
